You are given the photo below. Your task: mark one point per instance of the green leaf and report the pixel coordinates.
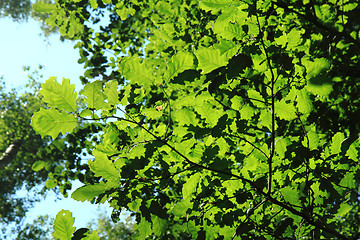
(315, 67)
(343, 210)
(52, 122)
(185, 116)
(159, 225)
(304, 104)
(284, 110)
(61, 96)
(51, 183)
(352, 153)
(227, 48)
(38, 165)
(180, 62)
(135, 205)
(348, 181)
(63, 225)
(281, 146)
(181, 207)
(190, 185)
(207, 112)
(103, 167)
(290, 195)
(214, 5)
(152, 113)
(94, 4)
(232, 31)
(210, 59)
(137, 72)
(89, 192)
(95, 98)
(256, 98)
(336, 142)
(313, 140)
(294, 38)
(42, 7)
(143, 229)
(111, 92)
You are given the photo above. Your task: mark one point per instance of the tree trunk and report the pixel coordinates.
(10, 153)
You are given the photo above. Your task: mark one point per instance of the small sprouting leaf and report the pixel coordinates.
(63, 225)
(52, 122)
(61, 96)
(95, 98)
(210, 59)
(180, 62)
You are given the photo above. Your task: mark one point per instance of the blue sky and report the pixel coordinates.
(21, 45)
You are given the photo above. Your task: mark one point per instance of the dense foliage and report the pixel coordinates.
(223, 119)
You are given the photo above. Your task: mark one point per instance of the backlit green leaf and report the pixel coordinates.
(52, 122)
(137, 72)
(103, 167)
(95, 98)
(180, 62)
(284, 110)
(210, 59)
(214, 5)
(38, 165)
(337, 140)
(93, 4)
(63, 225)
(88, 192)
(111, 92)
(61, 96)
(290, 195)
(190, 185)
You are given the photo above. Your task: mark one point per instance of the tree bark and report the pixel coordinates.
(9, 153)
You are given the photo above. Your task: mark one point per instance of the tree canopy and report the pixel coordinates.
(222, 119)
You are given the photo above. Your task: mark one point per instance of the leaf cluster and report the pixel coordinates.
(222, 119)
